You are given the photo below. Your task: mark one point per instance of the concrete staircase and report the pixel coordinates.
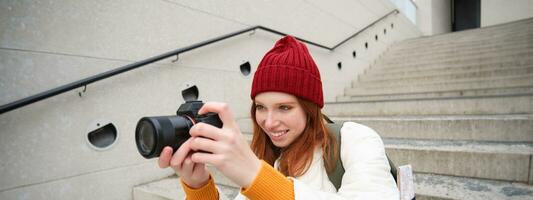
(458, 107)
(170, 188)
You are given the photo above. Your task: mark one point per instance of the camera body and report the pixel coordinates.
(191, 108)
(152, 134)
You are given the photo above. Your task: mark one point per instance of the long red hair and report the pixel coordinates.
(296, 158)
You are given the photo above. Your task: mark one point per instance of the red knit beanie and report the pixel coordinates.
(288, 67)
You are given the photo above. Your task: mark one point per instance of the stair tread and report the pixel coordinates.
(451, 187)
(439, 117)
(518, 128)
(460, 146)
(478, 72)
(170, 188)
(460, 60)
(479, 65)
(504, 49)
(441, 99)
(464, 93)
(443, 91)
(376, 74)
(454, 82)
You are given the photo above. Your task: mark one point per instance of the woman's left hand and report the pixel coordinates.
(230, 153)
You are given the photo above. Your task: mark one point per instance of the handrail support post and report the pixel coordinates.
(177, 58)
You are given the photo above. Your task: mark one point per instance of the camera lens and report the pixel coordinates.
(147, 134)
(154, 133)
(146, 137)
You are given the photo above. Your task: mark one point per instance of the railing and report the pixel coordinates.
(84, 82)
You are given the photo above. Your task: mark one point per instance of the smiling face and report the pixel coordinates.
(280, 116)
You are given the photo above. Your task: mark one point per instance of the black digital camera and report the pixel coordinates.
(152, 134)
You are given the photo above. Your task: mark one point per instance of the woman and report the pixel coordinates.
(291, 150)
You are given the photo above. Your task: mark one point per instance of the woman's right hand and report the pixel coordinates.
(195, 175)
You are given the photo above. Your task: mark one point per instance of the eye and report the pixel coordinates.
(284, 107)
(259, 107)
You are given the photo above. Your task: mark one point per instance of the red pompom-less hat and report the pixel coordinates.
(288, 67)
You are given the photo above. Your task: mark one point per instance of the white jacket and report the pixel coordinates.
(367, 171)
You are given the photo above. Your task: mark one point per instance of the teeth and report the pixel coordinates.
(276, 134)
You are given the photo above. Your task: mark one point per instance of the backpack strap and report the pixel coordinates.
(336, 175)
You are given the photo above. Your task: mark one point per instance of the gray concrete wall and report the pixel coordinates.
(441, 21)
(434, 16)
(424, 16)
(495, 12)
(44, 44)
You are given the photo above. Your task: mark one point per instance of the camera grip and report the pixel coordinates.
(212, 119)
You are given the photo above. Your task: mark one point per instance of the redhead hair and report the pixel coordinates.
(296, 158)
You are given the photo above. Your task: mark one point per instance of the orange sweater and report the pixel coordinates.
(268, 184)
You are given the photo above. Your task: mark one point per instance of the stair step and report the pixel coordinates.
(170, 188)
(517, 128)
(519, 104)
(514, 81)
(375, 74)
(488, 160)
(457, 76)
(483, 34)
(437, 80)
(433, 186)
(411, 45)
(472, 34)
(480, 33)
(439, 94)
(502, 50)
(501, 40)
(455, 61)
(482, 63)
(503, 62)
(416, 45)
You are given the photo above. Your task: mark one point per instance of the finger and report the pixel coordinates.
(207, 131)
(199, 169)
(222, 109)
(205, 144)
(200, 157)
(180, 155)
(187, 167)
(164, 158)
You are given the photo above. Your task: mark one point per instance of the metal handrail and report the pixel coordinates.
(84, 82)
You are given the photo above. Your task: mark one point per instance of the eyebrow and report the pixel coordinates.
(282, 103)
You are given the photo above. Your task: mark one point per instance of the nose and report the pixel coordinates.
(271, 122)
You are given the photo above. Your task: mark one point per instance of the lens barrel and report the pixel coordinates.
(154, 133)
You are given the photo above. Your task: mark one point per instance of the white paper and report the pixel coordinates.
(406, 183)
